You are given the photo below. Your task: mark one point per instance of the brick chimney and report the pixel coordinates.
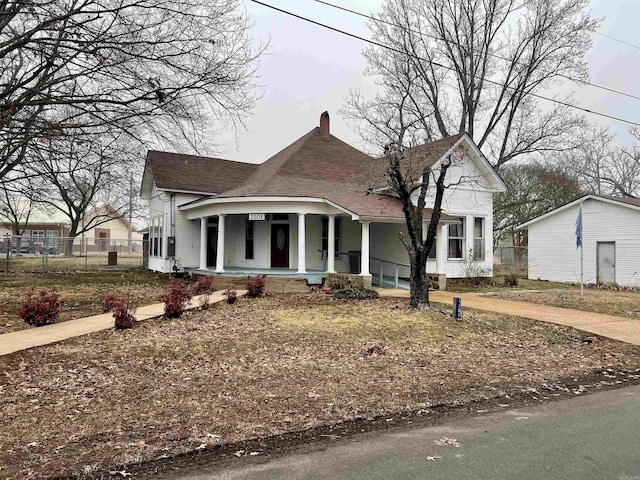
(324, 124)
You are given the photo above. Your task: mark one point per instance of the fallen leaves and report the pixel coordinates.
(449, 441)
(266, 367)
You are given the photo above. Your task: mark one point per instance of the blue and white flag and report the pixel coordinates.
(579, 228)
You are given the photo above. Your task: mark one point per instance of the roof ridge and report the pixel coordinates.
(219, 159)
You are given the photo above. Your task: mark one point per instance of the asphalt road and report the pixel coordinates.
(595, 437)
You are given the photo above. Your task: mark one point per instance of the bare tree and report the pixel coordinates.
(15, 209)
(143, 66)
(602, 167)
(474, 66)
(86, 178)
(411, 185)
(534, 189)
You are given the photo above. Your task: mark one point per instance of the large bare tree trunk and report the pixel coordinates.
(419, 283)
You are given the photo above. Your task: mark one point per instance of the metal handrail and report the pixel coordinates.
(397, 265)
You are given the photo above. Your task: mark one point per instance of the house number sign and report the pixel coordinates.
(256, 216)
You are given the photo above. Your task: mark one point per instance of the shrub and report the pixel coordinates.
(255, 286)
(203, 285)
(356, 294)
(511, 278)
(230, 295)
(176, 298)
(124, 314)
(110, 301)
(41, 309)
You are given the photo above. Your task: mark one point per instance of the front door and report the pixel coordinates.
(212, 245)
(606, 258)
(280, 246)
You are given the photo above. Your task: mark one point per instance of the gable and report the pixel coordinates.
(470, 168)
(631, 204)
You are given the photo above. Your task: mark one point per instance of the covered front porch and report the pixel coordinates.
(307, 240)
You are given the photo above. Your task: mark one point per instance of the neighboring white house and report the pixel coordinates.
(610, 242)
(310, 210)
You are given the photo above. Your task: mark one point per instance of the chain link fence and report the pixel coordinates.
(516, 257)
(68, 253)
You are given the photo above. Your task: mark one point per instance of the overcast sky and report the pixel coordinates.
(310, 69)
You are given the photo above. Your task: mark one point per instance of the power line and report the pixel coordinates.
(495, 55)
(377, 44)
(618, 40)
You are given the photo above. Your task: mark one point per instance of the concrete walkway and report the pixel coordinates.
(36, 337)
(618, 328)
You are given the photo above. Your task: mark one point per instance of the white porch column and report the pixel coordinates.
(220, 247)
(331, 244)
(302, 242)
(203, 243)
(440, 248)
(364, 250)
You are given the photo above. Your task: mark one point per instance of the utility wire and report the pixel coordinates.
(618, 40)
(495, 55)
(377, 44)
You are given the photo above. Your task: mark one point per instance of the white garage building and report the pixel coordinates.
(610, 242)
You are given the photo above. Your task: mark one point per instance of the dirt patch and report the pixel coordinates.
(619, 303)
(286, 366)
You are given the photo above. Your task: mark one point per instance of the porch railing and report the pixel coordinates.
(395, 267)
(324, 254)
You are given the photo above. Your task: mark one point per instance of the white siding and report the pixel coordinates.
(187, 233)
(386, 245)
(552, 243)
(235, 242)
(468, 201)
(175, 223)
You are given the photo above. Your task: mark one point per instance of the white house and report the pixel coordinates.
(309, 210)
(610, 242)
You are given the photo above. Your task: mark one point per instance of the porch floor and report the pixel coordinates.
(279, 272)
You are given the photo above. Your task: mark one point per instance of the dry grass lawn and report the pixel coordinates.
(610, 302)
(82, 292)
(263, 367)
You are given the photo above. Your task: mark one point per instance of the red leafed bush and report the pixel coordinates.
(41, 309)
(176, 298)
(203, 285)
(255, 286)
(230, 296)
(110, 301)
(124, 314)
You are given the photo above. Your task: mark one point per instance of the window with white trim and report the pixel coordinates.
(324, 242)
(37, 236)
(478, 238)
(432, 252)
(155, 237)
(457, 242)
